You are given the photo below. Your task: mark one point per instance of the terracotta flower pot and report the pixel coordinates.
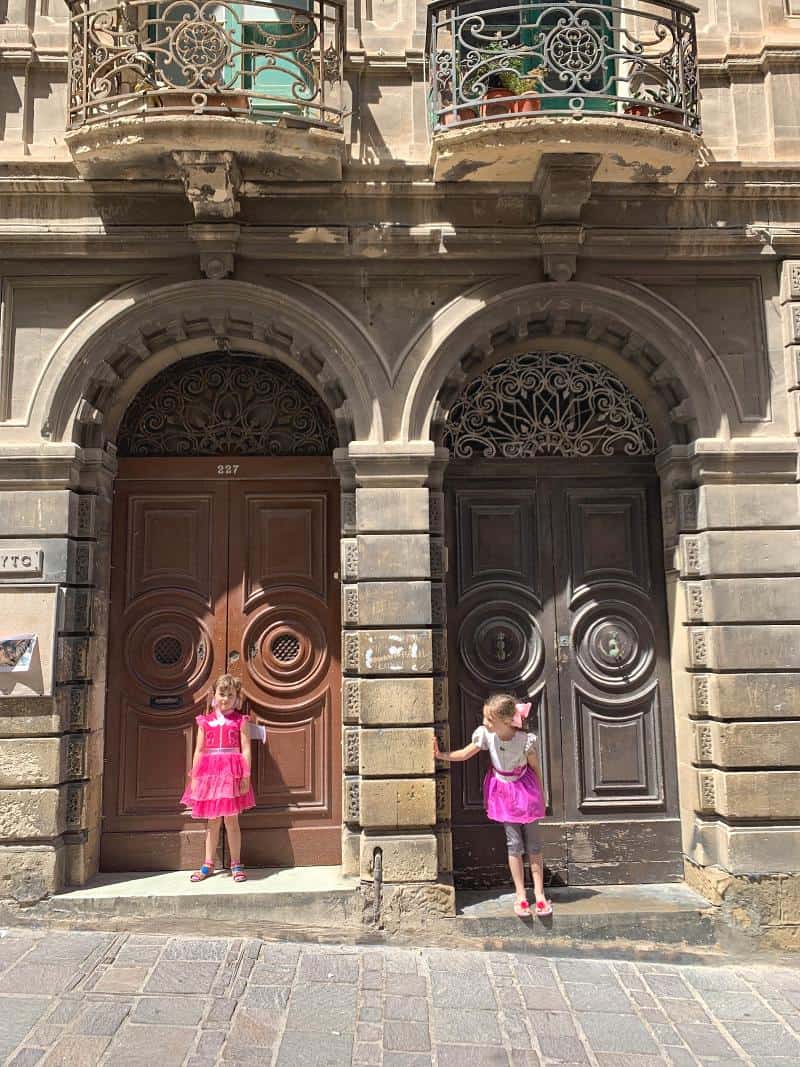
(490, 110)
(637, 109)
(527, 104)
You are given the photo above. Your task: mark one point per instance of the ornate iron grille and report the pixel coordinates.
(227, 405)
(635, 59)
(263, 60)
(547, 404)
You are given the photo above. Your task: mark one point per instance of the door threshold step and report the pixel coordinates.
(670, 913)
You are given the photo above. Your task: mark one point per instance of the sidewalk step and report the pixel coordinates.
(667, 914)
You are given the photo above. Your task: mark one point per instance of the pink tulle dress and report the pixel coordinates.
(214, 788)
(511, 791)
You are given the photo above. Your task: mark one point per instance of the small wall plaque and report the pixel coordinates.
(166, 702)
(21, 561)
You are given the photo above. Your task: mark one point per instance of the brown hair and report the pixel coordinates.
(226, 681)
(500, 706)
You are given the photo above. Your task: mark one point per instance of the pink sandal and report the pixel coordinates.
(205, 872)
(544, 908)
(237, 871)
(522, 909)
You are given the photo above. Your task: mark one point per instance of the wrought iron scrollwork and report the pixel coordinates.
(572, 57)
(257, 59)
(227, 405)
(547, 404)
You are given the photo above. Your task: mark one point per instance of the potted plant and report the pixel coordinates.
(523, 85)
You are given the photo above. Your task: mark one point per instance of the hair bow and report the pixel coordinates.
(521, 712)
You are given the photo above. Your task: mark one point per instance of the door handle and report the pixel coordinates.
(562, 649)
(233, 657)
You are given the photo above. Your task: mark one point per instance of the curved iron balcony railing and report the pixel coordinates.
(576, 58)
(261, 60)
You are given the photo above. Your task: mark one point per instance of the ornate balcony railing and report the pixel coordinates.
(565, 58)
(261, 60)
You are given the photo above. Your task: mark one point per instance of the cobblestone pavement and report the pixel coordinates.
(76, 999)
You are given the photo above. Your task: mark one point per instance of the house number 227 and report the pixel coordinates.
(228, 468)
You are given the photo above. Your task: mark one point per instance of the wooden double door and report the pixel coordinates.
(556, 594)
(223, 567)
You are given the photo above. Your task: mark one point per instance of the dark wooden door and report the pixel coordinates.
(223, 566)
(555, 593)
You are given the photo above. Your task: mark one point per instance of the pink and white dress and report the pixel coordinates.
(214, 788)
(511, 791)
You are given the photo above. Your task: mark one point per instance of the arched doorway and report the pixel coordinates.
(556, 593)
(224, 552)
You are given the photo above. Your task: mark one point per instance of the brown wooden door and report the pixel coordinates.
(555, 593)
(215, 567)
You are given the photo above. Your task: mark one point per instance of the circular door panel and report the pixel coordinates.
(168, 649)
(499, 642)
(285, 647)
(614, 644)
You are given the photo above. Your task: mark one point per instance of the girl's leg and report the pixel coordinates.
(212, 840)
(234, 834)
(516, 862)
(537, 872)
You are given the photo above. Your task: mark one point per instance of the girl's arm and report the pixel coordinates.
(199, 745)
(533, 763)
(244, 734)
(460, 754)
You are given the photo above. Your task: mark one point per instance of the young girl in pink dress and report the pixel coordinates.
(512, 793)
(219, 781)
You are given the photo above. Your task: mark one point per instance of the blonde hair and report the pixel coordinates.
(229, 682)
(500, 706)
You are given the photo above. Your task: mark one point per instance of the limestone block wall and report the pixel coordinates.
(49, 745)
(394, 689)
(738, 622)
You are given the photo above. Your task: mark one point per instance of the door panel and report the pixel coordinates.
(210, 575)
(554, 597)
(284, 620)
(166, 644)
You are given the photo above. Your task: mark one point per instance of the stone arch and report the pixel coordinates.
(109, 354)
(656, 352)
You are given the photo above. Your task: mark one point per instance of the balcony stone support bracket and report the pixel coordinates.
(211, 181)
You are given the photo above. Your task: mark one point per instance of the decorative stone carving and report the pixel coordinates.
(439, 651)
(547, 404)
(348, 513)
(351, 700)
(211, 181)
(351, 747)
(349, 559)
(217, 265)
(701, 694)
(227, 404)
(708, 793)
(72, 658)
(692, 558)
(694, 600)
(438, 551)
(687, 509)
(77, 610)
(705, 744)
(699, 648)
(76, 757)
(350, 652)
(436, 512)
(440, 709)
(75, 804)
(437, 604)
(350, 605)
(352, 800)
(85, 515)
(442, 798)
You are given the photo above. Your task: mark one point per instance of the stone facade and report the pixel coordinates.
(387, 288)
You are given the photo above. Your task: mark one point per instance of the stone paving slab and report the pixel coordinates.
(84, 999)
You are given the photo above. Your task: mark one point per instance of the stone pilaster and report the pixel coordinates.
(790, 301)
(394, 663)
(735, 552)
(50, 748)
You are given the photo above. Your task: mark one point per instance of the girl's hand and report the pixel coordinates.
(244, 785)
(437, 752)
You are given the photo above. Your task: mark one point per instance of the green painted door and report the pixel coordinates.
(275, 57)
(577, 59)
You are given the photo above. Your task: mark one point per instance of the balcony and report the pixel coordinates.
(512, 83)
(154, 82)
